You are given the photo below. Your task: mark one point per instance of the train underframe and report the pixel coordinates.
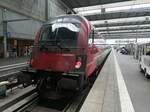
(50, 82)
(53, 85)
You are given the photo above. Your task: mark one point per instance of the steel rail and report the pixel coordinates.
(21, 105)
(13, 66)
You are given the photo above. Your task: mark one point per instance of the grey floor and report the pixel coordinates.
(8, 61)
(104, 96)
(138, 86)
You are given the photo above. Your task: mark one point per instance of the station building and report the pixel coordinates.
(20, 20)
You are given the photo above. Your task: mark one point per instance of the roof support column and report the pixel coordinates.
(5, 38)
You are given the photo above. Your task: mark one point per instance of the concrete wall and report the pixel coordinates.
(55, 8)
(20, 29)
(31, 8)
(21, 9)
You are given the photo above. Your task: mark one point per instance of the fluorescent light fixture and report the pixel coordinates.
(90, 12)
(124, 31)
(115, 7)
(124, 41)
(87, 8)
(127, 33)
(121, 20)
(131, 7)
(119, 27)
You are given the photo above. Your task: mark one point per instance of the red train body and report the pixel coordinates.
(62, 50)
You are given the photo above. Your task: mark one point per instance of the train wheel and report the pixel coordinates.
(80, 83)
(86, 81)
(41, 88)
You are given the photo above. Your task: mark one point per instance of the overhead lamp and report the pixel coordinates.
(106, 9)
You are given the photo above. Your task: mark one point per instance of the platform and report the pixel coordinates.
(120, 87)
(104, 96)
(138, 86)
(9, 61)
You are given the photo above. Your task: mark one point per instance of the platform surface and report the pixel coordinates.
(104, 96)
(120, 87)
(138, 86)
(9, 61)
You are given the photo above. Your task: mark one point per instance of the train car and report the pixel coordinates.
(143, 51)
(61, 50)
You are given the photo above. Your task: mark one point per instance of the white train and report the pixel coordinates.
(142, 53)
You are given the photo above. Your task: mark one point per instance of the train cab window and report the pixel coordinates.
(66, 33)
(47, 33)
(66, 30)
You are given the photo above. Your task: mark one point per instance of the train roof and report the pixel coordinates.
(67, 18)
(73, 18)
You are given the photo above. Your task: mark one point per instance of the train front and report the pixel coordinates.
(55, 54)
(56, 47)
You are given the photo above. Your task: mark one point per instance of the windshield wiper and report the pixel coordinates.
(62, 48)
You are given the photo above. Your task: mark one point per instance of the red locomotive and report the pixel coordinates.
(61, 50)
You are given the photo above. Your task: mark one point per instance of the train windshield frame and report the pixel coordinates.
(63, 34)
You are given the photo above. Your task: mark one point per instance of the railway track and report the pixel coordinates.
(32, 103)
(11, 74)
(18, 101)
(10, 71)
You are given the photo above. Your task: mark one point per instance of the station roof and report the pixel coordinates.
(115, 18)
(85, 3)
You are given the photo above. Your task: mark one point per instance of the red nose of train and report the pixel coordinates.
(55, 62)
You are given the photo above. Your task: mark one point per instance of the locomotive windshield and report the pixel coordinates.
(64, 33)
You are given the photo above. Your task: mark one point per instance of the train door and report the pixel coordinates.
(147, 52)
(145, 60)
